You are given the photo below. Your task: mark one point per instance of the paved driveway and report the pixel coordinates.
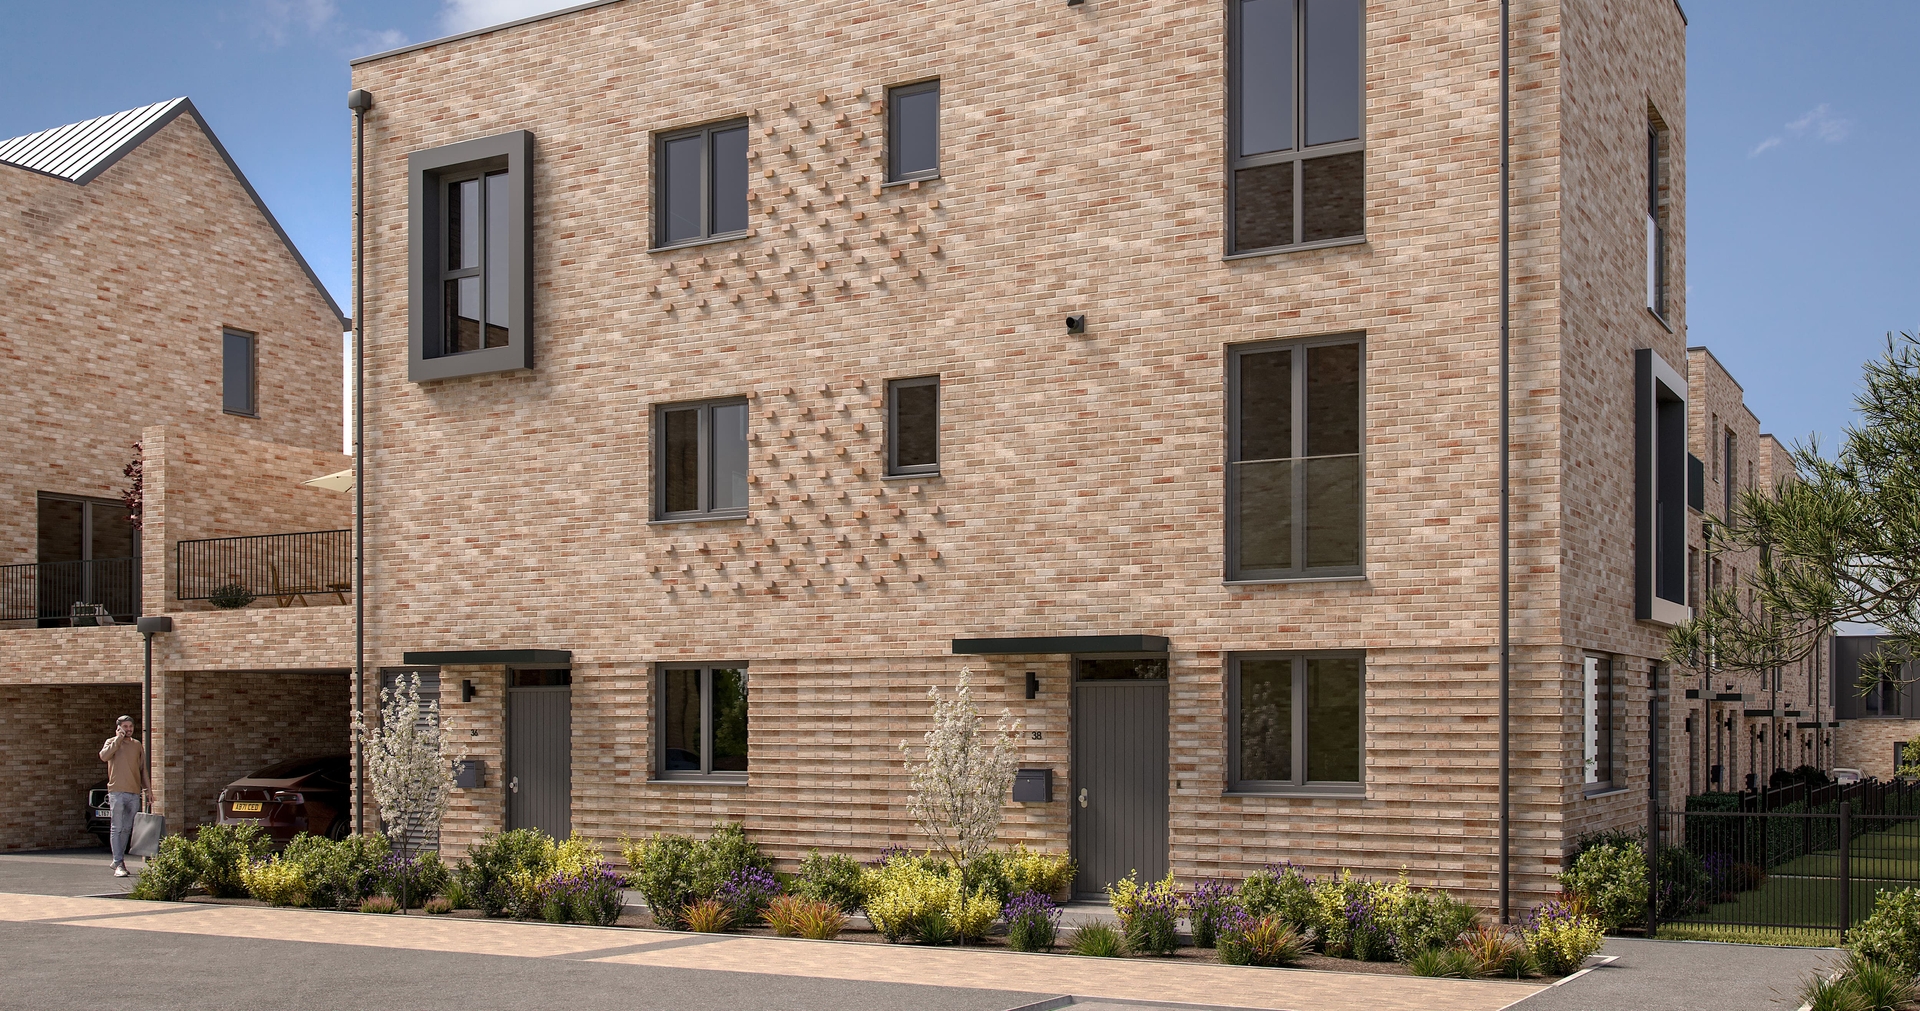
(1689, 976)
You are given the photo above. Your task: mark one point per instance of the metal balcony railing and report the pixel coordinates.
(45, 593)
(285, 568)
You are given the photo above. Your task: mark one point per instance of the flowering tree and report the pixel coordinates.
(408, 761)
(958, 791)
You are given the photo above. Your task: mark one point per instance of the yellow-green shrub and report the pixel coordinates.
(1034, 871)
(922, 900)
(276, 882)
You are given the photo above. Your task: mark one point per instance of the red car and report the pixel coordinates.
(304, 795)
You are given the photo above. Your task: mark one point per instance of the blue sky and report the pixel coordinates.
(1803, 136)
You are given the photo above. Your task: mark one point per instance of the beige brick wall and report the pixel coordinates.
(1081, 487)
(51, 735)
(229, 723)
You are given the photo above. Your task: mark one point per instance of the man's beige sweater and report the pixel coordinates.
(126, 765)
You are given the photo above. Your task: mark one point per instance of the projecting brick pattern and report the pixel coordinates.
(51, 735)
(1081, 487)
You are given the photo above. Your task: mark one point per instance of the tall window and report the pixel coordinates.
(1296, 721)
(470, 258)
(238, 388)
(1295, 95)
(473, 277)
(702, 189)
(1656, 225)
(913, 131)
(1294, 464)
(701, 460)
(913, 426)
(1597, 723)
(1660, 490)
(703, 722)
(1733, 470)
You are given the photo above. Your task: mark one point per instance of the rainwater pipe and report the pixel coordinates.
(1506, 427)
(359, 101)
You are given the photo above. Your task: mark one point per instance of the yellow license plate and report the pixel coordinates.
(246, 805)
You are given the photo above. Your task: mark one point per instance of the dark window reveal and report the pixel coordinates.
(470, 258)
(913, 426)
(1296, 91)
(702, 188)
(913, 131)
(1296, 721)
(1294, 467)
(237, 379)
(703, 722)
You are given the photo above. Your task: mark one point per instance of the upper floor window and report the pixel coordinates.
(1733, 470)
(470, 250)
(913, 426)
(1656, 221)
(1660, 490)
(701, 460)
(913, 131)
(1294, 467)
(702, 188)
(239, 391)
(1296, 137)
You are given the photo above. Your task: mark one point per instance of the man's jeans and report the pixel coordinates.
(125, 806)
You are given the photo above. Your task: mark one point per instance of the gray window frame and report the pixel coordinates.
(894, 468)
(706, 774)
(1231, 483)
(705, 132)
(1300, 785)
(426, 247)
(1299, 153)
(253, 373)
(704, 470)
(1607, 737)
(894, 175)
(1660, 491)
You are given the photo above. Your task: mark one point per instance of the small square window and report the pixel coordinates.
(913, 131)
(913, 426)
(701, 188)
(701, 460)
(702, 722)
(1296, 721)
(238, 388)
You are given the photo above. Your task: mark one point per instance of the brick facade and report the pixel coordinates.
(51, 735)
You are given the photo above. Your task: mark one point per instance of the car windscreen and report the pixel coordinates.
(297, 768)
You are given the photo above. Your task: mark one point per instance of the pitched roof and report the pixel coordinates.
(79, 152)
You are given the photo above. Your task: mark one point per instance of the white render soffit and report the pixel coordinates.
(79, 151)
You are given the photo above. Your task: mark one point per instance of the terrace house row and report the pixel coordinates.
(732, 380)
(154, 312)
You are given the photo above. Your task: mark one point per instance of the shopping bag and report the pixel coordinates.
(147, 830)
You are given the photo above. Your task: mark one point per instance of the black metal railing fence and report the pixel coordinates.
(279, 566)
(44, 593)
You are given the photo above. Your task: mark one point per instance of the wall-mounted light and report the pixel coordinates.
(1075, 3)
(466, 691)
(1033, 685)
(1077, 324)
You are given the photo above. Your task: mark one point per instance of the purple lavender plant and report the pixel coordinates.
(747, 892)
(586, 896)
(888, 852)
(1033, 922)
(1206, 907)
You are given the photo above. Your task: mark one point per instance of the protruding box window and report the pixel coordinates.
(1660, 492)
(470, 249)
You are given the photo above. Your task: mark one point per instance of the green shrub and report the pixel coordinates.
(1097, 940)
(1610, 882)
(501, 873)
(831, 878)
(456, 895)
(722, 855)
(1427, 919)
(987, 873)
(1267, 940)
(276, 882)
(1450, 963)
(418, 878)
(170, 873)
(661, 870)
(340, 874)
(221, 852)
(1035, 871)
(1615, 837)
(1284, 892)
(1822, 994)
(1892, 934)
(229, 596)
(1558, 939)
(1149, 912)
(1684, 886)
(1356, 915)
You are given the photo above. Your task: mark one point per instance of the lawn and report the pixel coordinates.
(1806, 891)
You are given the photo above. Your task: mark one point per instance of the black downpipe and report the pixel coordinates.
(1506, 588)
(359, 101)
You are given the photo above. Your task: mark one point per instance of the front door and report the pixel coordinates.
(540, 751)
(1118, 798)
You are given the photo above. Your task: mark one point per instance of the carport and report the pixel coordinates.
(220, 725)
(50, 736)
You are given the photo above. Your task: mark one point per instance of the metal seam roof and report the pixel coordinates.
(79, 151)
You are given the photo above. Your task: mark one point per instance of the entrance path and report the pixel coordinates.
(1689, 976)
(674, 953)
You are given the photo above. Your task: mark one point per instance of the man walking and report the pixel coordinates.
(126, 762)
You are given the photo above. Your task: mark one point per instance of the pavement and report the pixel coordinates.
(59, 937)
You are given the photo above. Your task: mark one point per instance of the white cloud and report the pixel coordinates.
(1819, 122)
(318, 21)
(466, 15)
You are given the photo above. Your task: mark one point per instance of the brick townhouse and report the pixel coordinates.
(735, 378)
(147, 296)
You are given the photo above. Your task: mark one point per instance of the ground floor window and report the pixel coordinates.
(1296, 721)
(1597, 691)
(703, 722)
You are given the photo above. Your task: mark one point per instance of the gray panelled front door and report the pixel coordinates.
(1119, 794)
(540, 758)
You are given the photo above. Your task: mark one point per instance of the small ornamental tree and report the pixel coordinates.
(960, 787)
(408, 762)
